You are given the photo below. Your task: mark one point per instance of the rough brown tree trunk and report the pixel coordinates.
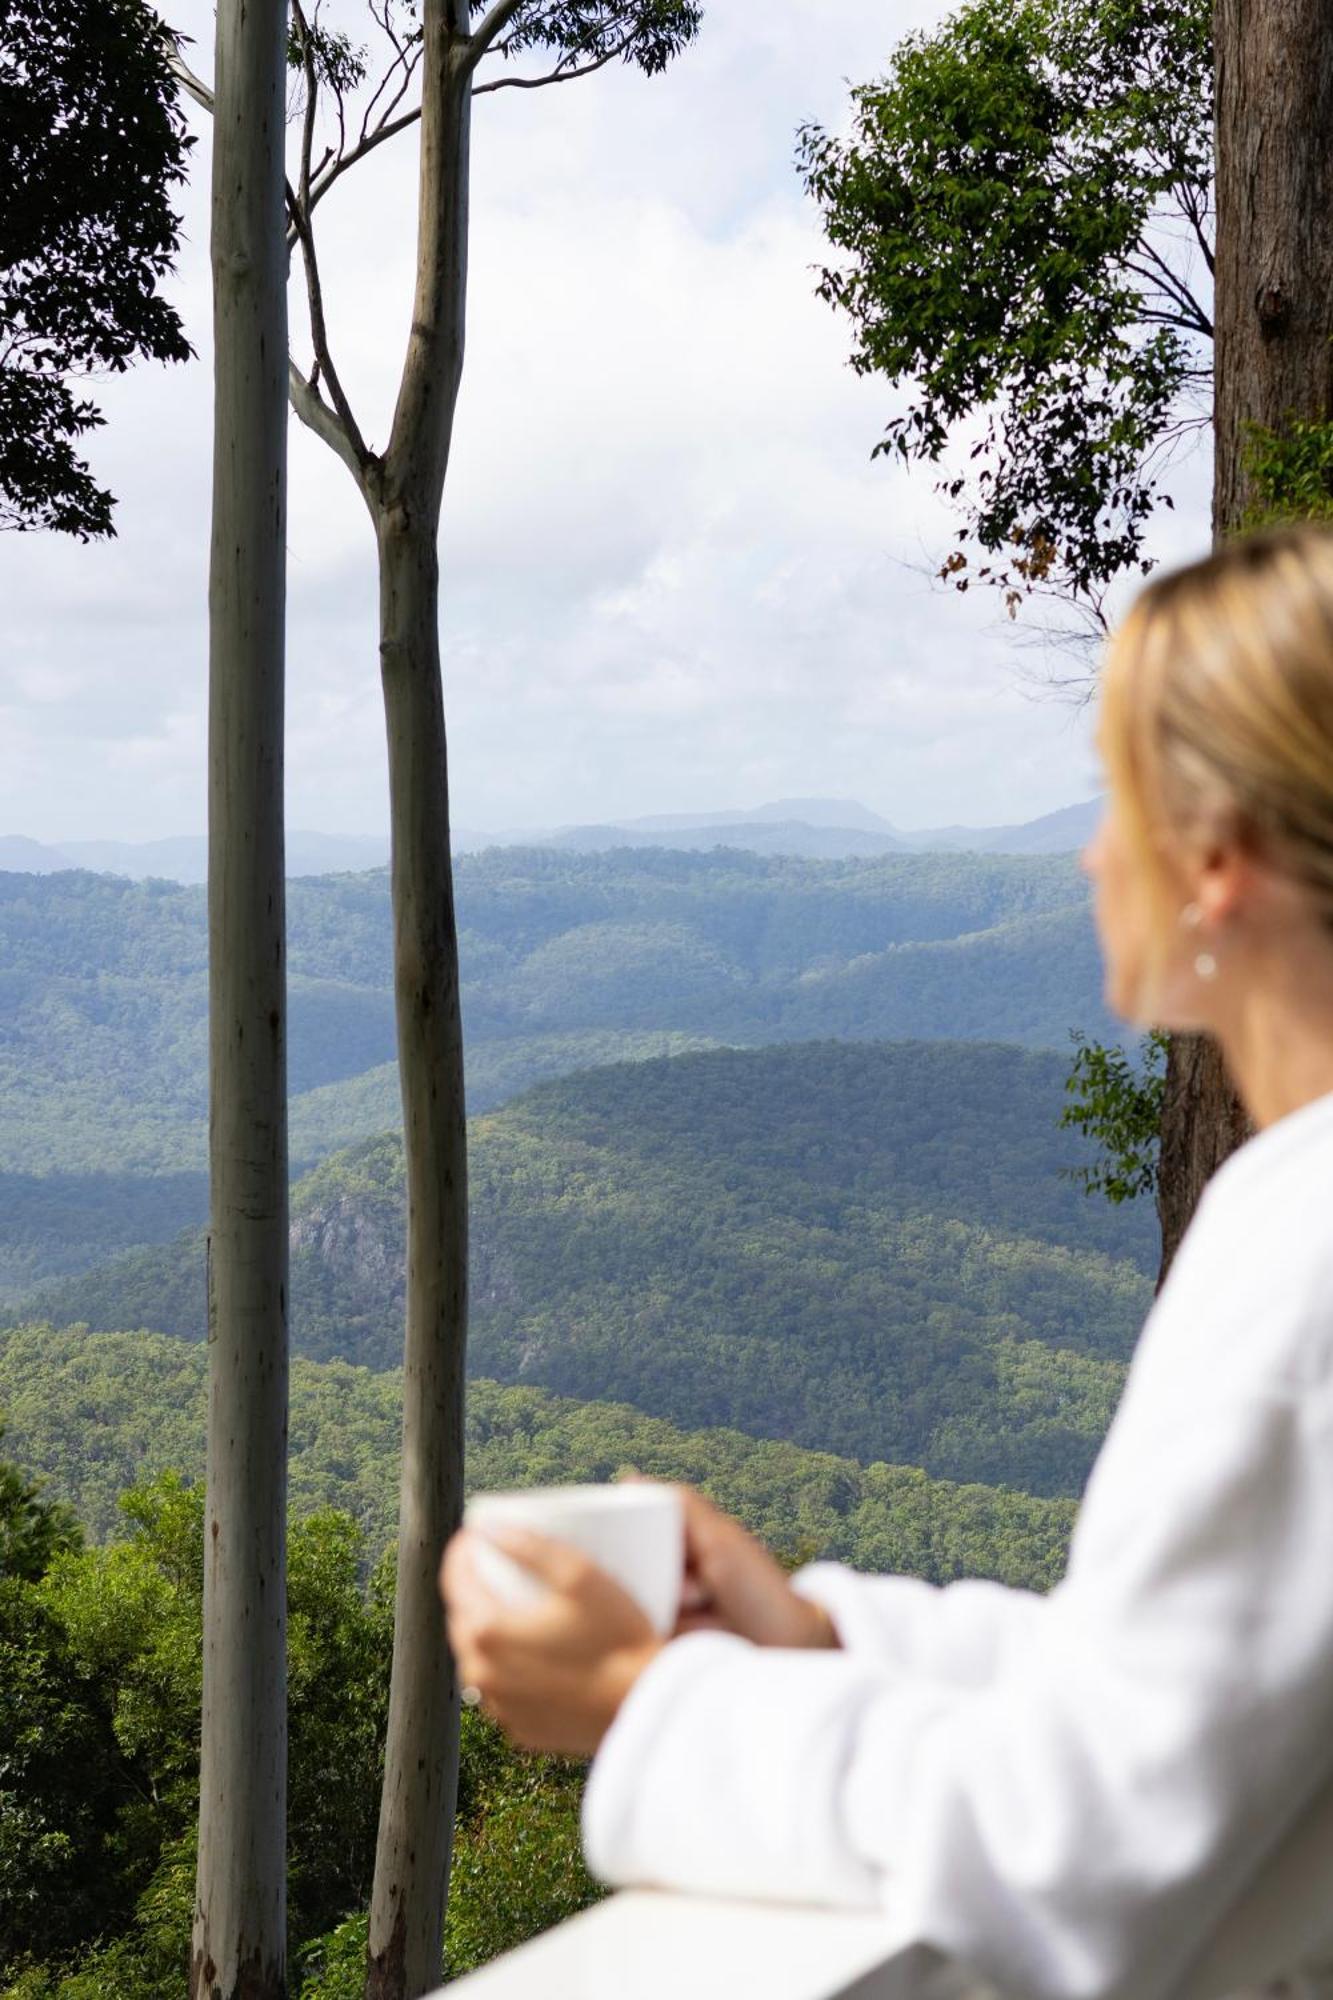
(1274, 361)
(1203, 1120)
(1274, 308)
(240, 1943)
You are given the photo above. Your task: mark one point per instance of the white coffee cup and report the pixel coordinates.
(635, 1531)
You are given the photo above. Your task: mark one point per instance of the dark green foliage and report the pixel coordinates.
(870, 1250)
(58, 1778)
(572, 34)
(1018, 211)
(33, 1530)
(336, 1114)
(99, 1696)
(1291, 473)
(59, 1784)
(91, 1412)
(804, 1504)
(335, 59)
(876, 1250)
(91, 144)
(518, 1862)
(1118, 1103)
(100, 1649)
(339, 1648)
(108, 1712)
(58, 1223)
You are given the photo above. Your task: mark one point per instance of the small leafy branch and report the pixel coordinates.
(1117, 1101)
(1290, 473)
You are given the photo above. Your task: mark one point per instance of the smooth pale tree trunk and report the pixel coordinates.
(239, 1945)
(421, 1751)
(405, 492)
(1274, 361)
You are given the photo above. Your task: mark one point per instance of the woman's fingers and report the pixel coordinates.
(461, 1586)
(559, 1565)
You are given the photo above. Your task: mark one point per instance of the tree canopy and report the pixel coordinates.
(91, 145)
(1023, 212)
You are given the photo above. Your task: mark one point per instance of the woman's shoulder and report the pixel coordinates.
(1256, 1267)
(1287, 1155)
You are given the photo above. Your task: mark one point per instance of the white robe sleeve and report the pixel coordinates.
(1073, 1826)
(957, 1632)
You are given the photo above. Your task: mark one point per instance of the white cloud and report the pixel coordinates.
(673, 578)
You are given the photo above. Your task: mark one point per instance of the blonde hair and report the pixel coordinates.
(1217, 712)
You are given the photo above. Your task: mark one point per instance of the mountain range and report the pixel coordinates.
(569, 961)
(832, 829)
(782, 1177)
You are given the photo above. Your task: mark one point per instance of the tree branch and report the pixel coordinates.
(311, 106)
(351, 431)
(488, 29)
(1165, 280)
(422, 427)
(298, 209)
(1194, 212)
(556, 75)
(384, 20)
(316, 415)
(192, 85)
(325, 180)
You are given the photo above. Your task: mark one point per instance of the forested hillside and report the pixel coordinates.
(569, 961)
(91, 1414)
(102, 980)
(875, 1250)
(100, 1646)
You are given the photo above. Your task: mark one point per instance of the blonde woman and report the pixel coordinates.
(1125, 1788)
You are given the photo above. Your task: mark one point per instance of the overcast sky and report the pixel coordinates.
(673, 579)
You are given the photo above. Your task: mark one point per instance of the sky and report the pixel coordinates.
(673, 578)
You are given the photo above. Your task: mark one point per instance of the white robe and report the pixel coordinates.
(1121, 1791)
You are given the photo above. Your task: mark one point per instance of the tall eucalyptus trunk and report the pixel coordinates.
(1274, 362)
(405, 490)
(240, 1923)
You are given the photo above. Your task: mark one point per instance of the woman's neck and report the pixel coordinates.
(1276, 1032)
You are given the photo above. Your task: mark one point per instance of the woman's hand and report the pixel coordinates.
(732, 1584)
(554, 1673)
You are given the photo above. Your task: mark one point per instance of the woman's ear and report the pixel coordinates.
(1226, 873)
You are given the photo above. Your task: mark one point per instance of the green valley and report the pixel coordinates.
(570, 961)
(871, 1249)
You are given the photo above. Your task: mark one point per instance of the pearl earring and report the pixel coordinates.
(1205, 964)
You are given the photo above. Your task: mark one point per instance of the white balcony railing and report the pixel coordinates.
(643, 1945)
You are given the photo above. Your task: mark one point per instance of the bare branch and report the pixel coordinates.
(350, 429)
(1189, 312)
(556, 75)
(1195, 212)
(410, 64)
(298, 208)
(1175, 283)
(323, 182)
(192, 85)
(489, 29)
(383, 18)
(311, 105)
(316, 415)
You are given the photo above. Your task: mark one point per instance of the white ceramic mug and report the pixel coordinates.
(635, 1531)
